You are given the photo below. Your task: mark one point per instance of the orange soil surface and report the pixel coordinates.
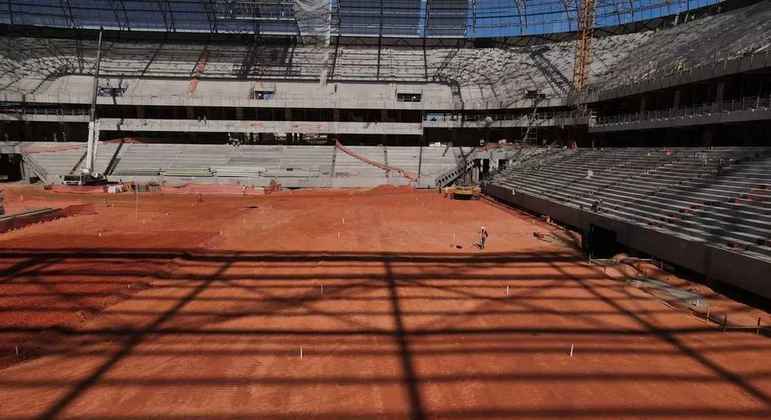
(333, 304)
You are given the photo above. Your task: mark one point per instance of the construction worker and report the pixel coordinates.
(482, 237)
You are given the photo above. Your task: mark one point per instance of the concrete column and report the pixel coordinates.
(720, 92)
(93, 139)
(24, 172)
(643, 103)
(383, 118)
(420, 156)
(288, 117)
(707, 135)
(676, 99)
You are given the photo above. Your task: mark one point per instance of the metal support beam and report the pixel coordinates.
(379, 41)
(93, 128)
(114, 5)
(171, 17)
(420, 153)
(425, 60)
(119, 6)
(211, 15)
(67, 10)
(334, 59)
(425, 36)
(474, 15)
(521, 6)
(10, 11)
(163, 15)
(168, 15)
(79, 52)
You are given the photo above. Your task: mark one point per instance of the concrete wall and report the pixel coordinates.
(295, 94)
(238, 126)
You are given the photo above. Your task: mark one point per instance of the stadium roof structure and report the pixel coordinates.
(356, 18)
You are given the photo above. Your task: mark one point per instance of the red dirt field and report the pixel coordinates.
(341, 304)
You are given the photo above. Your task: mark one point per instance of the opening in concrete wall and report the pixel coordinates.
(10, 167)
(600, 242)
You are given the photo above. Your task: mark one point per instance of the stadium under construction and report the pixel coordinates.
(260, 180)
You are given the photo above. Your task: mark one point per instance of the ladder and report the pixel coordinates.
(531, 130)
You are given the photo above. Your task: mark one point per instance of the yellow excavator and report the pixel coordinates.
(462, 192)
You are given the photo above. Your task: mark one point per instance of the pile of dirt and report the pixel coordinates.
(76, 189)
(79, 210)
(391, 189)
(227, 189)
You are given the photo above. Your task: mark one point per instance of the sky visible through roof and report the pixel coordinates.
(483, 18)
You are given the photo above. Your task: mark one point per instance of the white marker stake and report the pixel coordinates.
(507, 290)
(17, 352)
(338, 235)
(343, 220)
(301, 353)
(322, 289)
(571, 350)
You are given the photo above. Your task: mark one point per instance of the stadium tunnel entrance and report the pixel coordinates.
(10, 167)
(599, 242)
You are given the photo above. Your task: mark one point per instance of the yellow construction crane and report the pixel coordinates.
(583, 45)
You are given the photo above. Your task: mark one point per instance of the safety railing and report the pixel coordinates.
(45, 111)
(754, 103)
(458, 117)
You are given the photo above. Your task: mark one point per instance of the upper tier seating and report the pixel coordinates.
(696, 43)
(497, 76)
